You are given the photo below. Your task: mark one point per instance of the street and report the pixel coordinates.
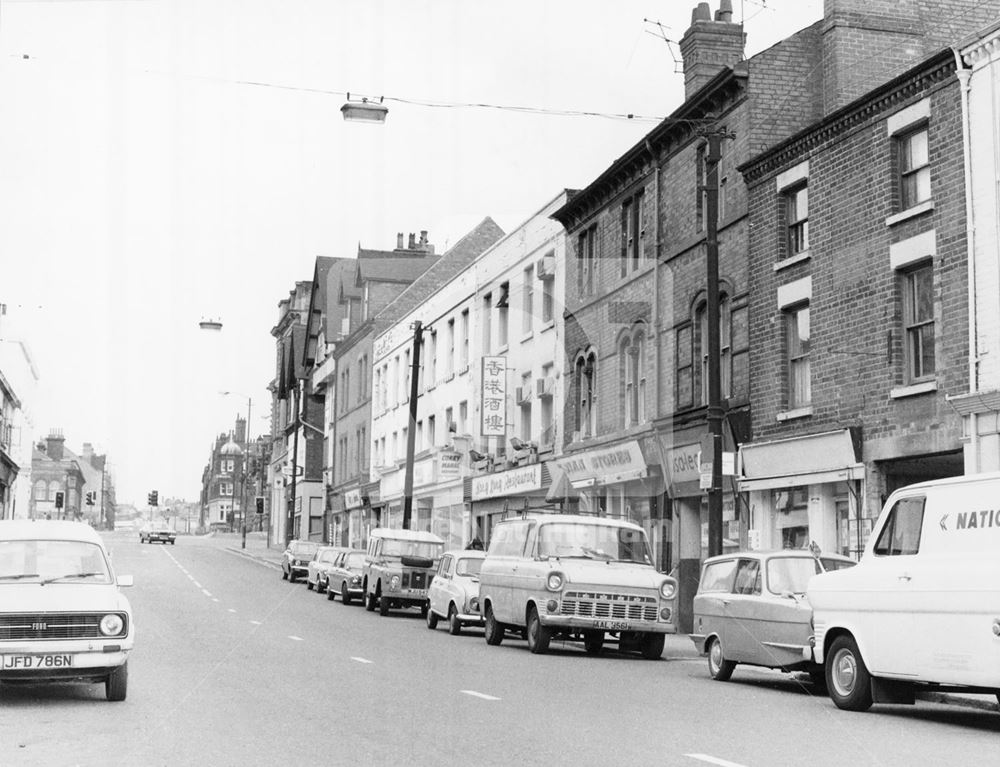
(234, 666)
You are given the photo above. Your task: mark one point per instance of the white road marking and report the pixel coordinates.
(215, 599)
(713, 760)
(475, 694)
(297, 639)
(205, 592)
(231, 610)
(255, 623)
(197, 585)
(361, 660)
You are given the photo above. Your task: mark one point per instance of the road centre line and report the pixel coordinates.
(256, 623)
(231, 610)
(713, 760)
(205, 592)
(475, 694)
(295, 638)
(361, 660)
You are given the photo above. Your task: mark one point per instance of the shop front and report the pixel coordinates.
(805, 490)
(492, 496)
(437, 506)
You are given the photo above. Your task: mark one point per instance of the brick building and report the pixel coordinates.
(858, 281)
(57, 481)
(221, 502)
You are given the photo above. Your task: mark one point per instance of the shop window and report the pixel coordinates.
(791, 517)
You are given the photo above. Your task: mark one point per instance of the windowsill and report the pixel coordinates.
(791, 415)
(500, 350)
(464, 370)
(430, 388)
(448, 377)
(527, 336)
(916, 210)
(798, 258)
(548, 325)
(912, 390)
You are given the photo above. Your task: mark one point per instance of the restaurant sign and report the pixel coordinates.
(493, 404)
(521, 480)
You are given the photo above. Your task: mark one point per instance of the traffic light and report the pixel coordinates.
(59, 499)
(260, 504)
(153, 498)
(90, 498)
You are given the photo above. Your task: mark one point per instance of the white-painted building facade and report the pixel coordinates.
(498, 325)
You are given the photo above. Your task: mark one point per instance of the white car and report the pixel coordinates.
(454, 592)
(62, 616)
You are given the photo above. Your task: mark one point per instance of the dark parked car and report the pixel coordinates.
(295, 559)
(344, 577)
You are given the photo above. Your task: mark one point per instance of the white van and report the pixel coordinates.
(921, 610)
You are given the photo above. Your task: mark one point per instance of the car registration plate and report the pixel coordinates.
(612, 625)
(13, 662)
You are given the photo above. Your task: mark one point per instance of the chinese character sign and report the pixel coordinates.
(494, 397)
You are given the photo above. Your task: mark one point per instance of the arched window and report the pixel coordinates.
(692, 354)
(632, 377)
(585, 380)
(41, 490)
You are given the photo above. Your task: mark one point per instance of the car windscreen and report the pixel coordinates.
(328, 556)
(593, 541)
(470, 566)
(63, 561)
(393, 547)
(354, 561)
(303, 549)
(790, 574)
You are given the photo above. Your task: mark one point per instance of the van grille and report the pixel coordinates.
(415, 580)
(602, 604)
(23, 626)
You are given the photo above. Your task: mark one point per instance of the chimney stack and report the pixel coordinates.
(399, 241)
(54, 445)
(413, 241)
(241, 431)
(709, 46)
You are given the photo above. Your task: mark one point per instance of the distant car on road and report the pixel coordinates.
(62, 616)
(160, 533)
(319, 566)
(344, 577)
(295, 559)
(454, 592)
(751, 608)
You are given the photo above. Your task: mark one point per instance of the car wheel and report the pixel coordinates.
(320, 588)
(116, 685)
(330, 593)
(651, 646)
(173, 542)
(539, 636)
(284, 574)
(369, 599)
(432, 619)
(291, 576)
(383, 604)
(494, 631)
(847, 677)
(818, 678)
(309, 584)
(425, 608)
(593, 642)
(454, 624)
(718, 666)
(344, 596)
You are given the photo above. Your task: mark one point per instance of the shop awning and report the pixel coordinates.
(832, 456)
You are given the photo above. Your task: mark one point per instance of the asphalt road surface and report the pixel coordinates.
(234, 666)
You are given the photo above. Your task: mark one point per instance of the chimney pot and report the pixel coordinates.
(413, 241)
(701, 12)
(423, 236)
(399, 240)
(725, 12)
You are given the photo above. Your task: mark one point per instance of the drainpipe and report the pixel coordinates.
(656, 280)
(964, 75)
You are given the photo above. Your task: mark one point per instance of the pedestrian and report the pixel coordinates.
(475, 544)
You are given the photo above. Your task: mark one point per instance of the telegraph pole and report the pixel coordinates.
(411, 434)
(295, 470)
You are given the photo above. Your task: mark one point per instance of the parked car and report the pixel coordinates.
(295, 559)
(319, 565)
(399, 565)
(921, 611)
(751, 608)
(160, 533)
(345, 576)
(578, 578)
(62, 616)
(454, 591)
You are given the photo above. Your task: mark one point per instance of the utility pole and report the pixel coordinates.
(295, 470)
(715, 413)
(411, 434)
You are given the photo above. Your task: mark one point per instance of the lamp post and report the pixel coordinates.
(243, 468)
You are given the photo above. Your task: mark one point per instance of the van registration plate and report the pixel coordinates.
(613, 625)
(13, 662)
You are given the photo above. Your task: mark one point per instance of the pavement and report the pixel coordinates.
(678, 646)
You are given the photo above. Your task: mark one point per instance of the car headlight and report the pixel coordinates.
(112, 625)
(555, 581)
(668, 589)
(394, 582)
(474, 605)
(356, 580)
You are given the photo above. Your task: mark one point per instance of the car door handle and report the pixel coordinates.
(726, 602)
(905, 577)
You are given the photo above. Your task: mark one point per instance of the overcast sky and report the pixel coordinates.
(167, 160)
